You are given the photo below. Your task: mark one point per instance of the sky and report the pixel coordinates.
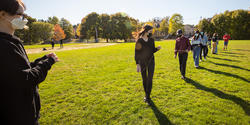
(143, 10)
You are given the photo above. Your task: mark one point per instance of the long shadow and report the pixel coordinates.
(224, 54)
(227, 65)
(242, 50)
(224, 59)
(225, 73)
(231, 53)
(244, 104)
(162, 118)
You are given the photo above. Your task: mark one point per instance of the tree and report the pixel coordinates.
(175, 23)
(25, 34)
(41, 31)
(58, 33)
(206, 25)
(105, 27)
(89, 26)
(164, 26)
(67, 27)
(53, 20)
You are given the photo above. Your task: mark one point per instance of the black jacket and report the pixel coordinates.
(19, 79)
(144, 51)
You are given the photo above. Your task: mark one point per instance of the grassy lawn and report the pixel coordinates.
(49, 45)
(101, 86)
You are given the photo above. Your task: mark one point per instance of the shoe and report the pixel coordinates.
(201, 60)
(196, 67)
(205, 59)
(183, 77)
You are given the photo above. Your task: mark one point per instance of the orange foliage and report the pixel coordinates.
(58, 33)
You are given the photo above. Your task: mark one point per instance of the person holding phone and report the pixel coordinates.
(19, 78)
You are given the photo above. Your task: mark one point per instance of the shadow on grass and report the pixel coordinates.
(244, 104)
(224, 59)
(225, 73)
(231, 53)
(225, 54)
(227, 65)
(242, 50)
(162, 118)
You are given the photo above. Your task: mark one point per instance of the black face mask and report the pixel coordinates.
(150, 35)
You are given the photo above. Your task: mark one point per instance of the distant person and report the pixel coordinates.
(19, 78)
(61, 43)
(215, 43)
(182, 47)
(196, 48)
(53, 43)
(144, 57)
(226, 38)
(204, 49)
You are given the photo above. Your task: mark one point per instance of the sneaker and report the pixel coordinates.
(196, 66)
(205, 59)
(201, 60)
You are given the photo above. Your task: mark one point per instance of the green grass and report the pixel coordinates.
(101, 86)
(49, 45)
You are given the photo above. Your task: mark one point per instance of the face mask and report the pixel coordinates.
(149, 35)
(196, 34)
(19, 23)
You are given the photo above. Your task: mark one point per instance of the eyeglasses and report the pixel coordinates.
(23, 15)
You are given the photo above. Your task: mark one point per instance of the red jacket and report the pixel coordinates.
(182, 44)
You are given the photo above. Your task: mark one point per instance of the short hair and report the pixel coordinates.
(11, 6)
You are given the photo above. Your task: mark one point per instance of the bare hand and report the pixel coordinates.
(159, 48)
(138, 67)
(54, 56)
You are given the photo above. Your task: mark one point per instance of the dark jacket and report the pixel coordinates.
(144, 51)
(19, 79)
(182, 44)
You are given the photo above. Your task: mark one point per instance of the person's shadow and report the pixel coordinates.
(244, 104)
(227, 65)
(225, 73)
(162, 118)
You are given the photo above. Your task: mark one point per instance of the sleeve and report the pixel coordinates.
(176, 48)
(33, 64)
(188, 45)
(155, 49)
(17, 70)
(138, 47)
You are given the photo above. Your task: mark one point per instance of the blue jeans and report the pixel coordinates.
(216, 48)
(196, 55)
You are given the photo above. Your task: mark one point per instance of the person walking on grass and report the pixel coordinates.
(52, 43)
(226, 38)
(19, 78)
(144, 57)
(215, 43)
(196, 48)
(61, 43)
(182, 47)
(204, 49)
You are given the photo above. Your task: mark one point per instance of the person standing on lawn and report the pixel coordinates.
(196, 48)
(204, 49)
(182, 47)
(226, 38)
(19, 78)
(144, 57)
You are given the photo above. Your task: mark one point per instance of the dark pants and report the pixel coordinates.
(147, 72)
(183, 62)
(204, 49)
